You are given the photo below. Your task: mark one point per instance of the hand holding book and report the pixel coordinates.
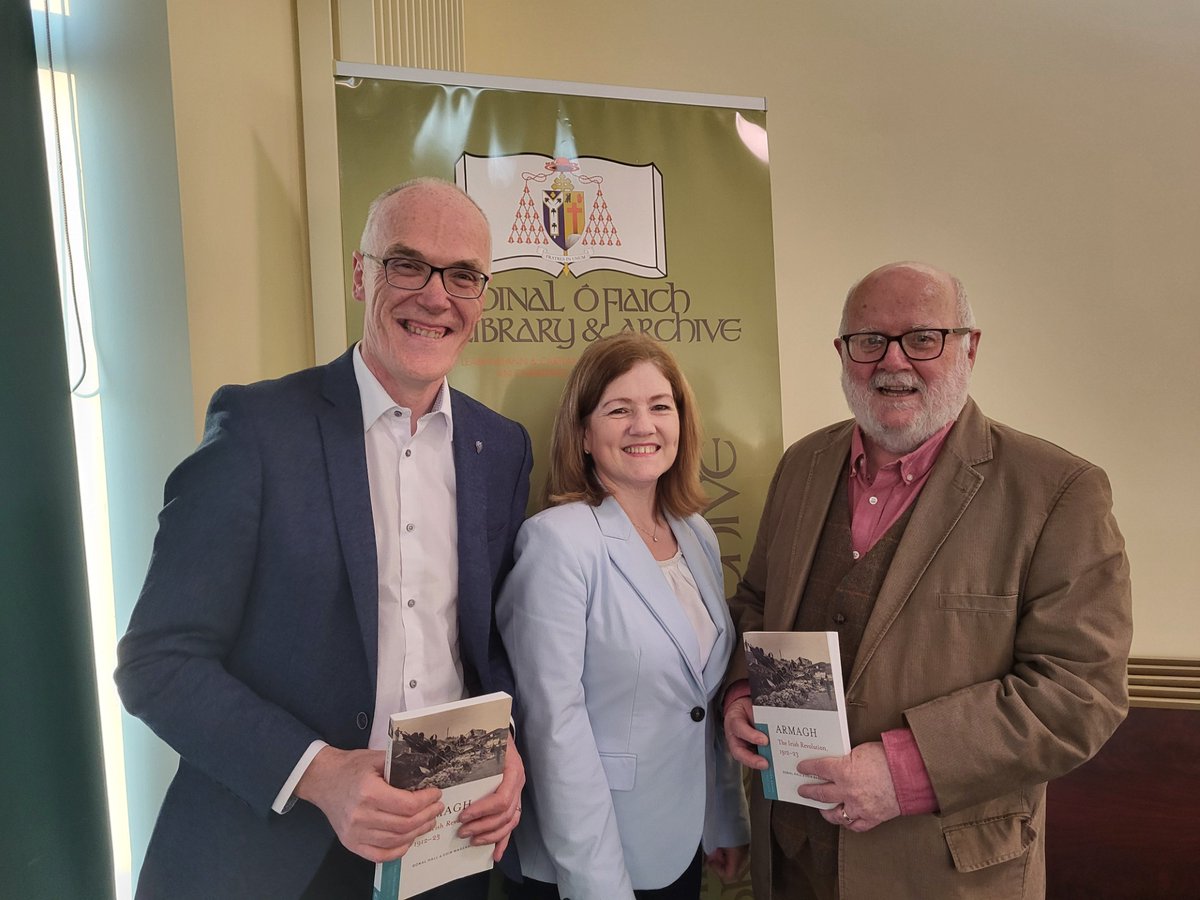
(797, 708)
(798, 704)
(742, 738)
(465, 749)
(370, 817)
(491, 819)
(858, 784)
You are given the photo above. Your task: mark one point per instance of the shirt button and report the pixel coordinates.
(873, 500)
(411, 603)
(908, 478)
(397, 414)
(408, 453)
(362, 720)
(854, 553)
(697, 713)
(839, 618)
(410, 527)
(412, 683)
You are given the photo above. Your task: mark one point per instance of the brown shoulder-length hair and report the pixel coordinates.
(572, 476)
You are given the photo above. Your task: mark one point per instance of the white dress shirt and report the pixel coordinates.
(416, 541)
(414, 511)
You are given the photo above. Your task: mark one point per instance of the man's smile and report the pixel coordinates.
(436, 332)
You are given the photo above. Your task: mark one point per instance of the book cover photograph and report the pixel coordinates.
(458, 747)
(797, 693)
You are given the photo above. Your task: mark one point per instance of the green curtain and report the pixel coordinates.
(56, 838)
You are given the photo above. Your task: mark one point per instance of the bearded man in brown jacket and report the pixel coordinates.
(980, 589)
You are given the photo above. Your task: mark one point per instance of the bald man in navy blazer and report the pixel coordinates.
(255, 647)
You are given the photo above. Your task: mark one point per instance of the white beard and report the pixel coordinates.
(941, 404)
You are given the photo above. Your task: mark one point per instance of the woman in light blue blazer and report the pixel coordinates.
(615, 622)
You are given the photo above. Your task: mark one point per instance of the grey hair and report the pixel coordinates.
(962, 306)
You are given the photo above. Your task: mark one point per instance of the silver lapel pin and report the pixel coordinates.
(479, 446)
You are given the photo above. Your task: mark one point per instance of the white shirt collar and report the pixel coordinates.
(376, 401)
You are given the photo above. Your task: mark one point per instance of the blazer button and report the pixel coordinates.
(363, 721)
(697, 713)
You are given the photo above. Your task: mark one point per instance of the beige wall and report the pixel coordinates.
(235, 84)
(1044, 150)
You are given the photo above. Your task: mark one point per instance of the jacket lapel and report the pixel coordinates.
(634, 561)
(810, 503)
(952, 485)
(712, 593)
(471, 499)
(341, 427)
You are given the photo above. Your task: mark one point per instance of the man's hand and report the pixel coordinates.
(742, 737)
(727, 862)
(491, 819)
(371, 818)
(860, 783)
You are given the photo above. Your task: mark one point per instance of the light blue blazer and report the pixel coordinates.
(623, 782)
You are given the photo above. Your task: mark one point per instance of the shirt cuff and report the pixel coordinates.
(737, 690)
(284, 800)
(914, 790)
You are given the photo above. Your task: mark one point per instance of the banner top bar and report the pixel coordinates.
(537, 85)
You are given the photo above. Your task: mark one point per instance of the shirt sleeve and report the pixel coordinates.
(914, 790)
(284, 800)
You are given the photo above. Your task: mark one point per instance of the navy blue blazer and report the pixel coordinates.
(256, 631)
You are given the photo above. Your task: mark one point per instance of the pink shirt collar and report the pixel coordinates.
(911, 467)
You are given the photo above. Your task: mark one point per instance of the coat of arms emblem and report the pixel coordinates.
(571, 215)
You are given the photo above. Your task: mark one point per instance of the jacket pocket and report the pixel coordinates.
(977, 845)
(983, 603)
(620, 769)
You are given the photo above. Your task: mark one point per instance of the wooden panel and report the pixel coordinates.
(1127, 823)
(1164, 682)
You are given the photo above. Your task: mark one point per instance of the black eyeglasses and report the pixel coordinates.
(919, 345)
(413, 274)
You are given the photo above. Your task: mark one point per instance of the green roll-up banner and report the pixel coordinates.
(56, 841)
(611, 210)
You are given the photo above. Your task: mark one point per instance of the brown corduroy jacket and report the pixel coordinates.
(1000, 636)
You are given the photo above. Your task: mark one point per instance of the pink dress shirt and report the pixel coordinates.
(875, 506)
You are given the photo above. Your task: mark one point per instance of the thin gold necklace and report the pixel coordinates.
(654, 536)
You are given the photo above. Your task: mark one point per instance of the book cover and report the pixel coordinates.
(458, 747)
(799, 704)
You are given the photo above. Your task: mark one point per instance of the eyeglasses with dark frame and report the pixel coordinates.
(919, 345)
(413, 274)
